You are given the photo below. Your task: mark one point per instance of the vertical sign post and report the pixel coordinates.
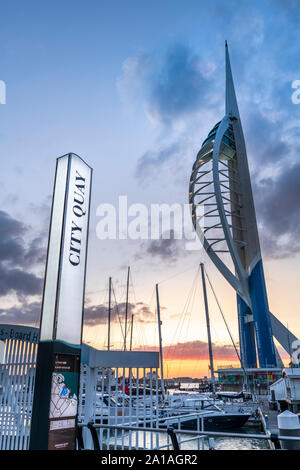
(55, 403)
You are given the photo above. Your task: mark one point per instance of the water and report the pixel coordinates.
(227, 443)
(230, 443)
(145, 440)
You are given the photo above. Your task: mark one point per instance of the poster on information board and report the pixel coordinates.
(64, 402)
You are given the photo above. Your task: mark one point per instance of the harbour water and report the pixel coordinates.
(145, 440)
(228, 443)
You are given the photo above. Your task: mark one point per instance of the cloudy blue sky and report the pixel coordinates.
(134, 88)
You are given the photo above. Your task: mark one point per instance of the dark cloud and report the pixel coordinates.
(289, 10)
(98, 314)
(172, 86)
(194, 350)
(266, 145)
(36, 252)
(26, 314)
(19, 281)
(179, 87)
(278, 206)
(273, 148)
(151, 161)
(167, 249)
(171, 161)
(16, 258)
(11, 242)
(13, 249)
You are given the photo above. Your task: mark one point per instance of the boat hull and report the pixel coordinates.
(213, 423)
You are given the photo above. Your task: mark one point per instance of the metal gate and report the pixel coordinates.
(116, 387)
(18, 349)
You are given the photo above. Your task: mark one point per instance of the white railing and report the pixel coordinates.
(205, 439)
(117, 395)
(17, 372)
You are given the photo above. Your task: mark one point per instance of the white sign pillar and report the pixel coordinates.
(58, 360)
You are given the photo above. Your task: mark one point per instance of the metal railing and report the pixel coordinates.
(146, 433)
(205, 438)
(169, 432)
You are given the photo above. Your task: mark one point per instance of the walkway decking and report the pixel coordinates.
(268, 419)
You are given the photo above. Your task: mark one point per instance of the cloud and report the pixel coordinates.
(25, 314)
(289, 10)
(169, 161)
(180, 86)
(167, 249)
(171, 86)
(98, 314)
(130, 85)
(16, 257)
(11, 243)
(13, 249)
(266, 145)
(163, 248)
(194, 350)
(273, 156)
(181, 94)
(278, 204)
(36, 252)
(152, 160)
(19, 281)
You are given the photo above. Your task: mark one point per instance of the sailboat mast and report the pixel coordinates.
(131, 331)
(109, 313)
(160, 343)
(208, 329)
(126, 310)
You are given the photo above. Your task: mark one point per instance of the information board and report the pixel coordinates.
(64, 402)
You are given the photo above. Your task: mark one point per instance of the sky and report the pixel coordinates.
(134, 88)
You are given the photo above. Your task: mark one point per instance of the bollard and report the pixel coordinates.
(171, 433)
(94, 436)
(79, 438)
(211, 443)
(289, 425)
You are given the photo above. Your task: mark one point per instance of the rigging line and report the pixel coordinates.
(153, 317)
(170, 349)
(191, 305)
(151, 298)
(117, 308)
(198, 292)
(224, 319)
(132, 286)
(189, 309)
(178, 274)
(180, 325)
(137, 334)
(184, 312)
(134, 298)
(123, 295)
(104, 303)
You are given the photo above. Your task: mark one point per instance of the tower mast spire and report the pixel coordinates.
(223, 156)
(231, 106)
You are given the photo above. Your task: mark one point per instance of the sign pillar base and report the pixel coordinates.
(57, 376)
